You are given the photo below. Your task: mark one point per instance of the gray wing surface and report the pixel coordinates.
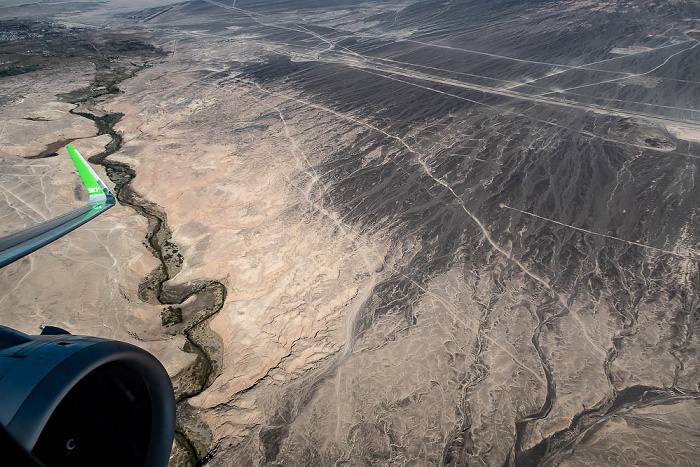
(23, 242)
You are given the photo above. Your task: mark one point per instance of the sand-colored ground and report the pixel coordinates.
(86, 282)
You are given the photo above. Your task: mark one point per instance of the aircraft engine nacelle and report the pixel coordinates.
(75, 401)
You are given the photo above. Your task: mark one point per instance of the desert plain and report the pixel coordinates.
(373, 233)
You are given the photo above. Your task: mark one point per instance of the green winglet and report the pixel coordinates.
(85, 172)
(94, 211)
(21, 243)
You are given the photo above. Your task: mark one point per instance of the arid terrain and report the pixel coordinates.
(374, 233)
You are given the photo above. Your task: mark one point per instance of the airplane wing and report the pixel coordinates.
(23, 242)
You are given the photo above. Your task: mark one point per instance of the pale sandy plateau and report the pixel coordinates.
(398, 237)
